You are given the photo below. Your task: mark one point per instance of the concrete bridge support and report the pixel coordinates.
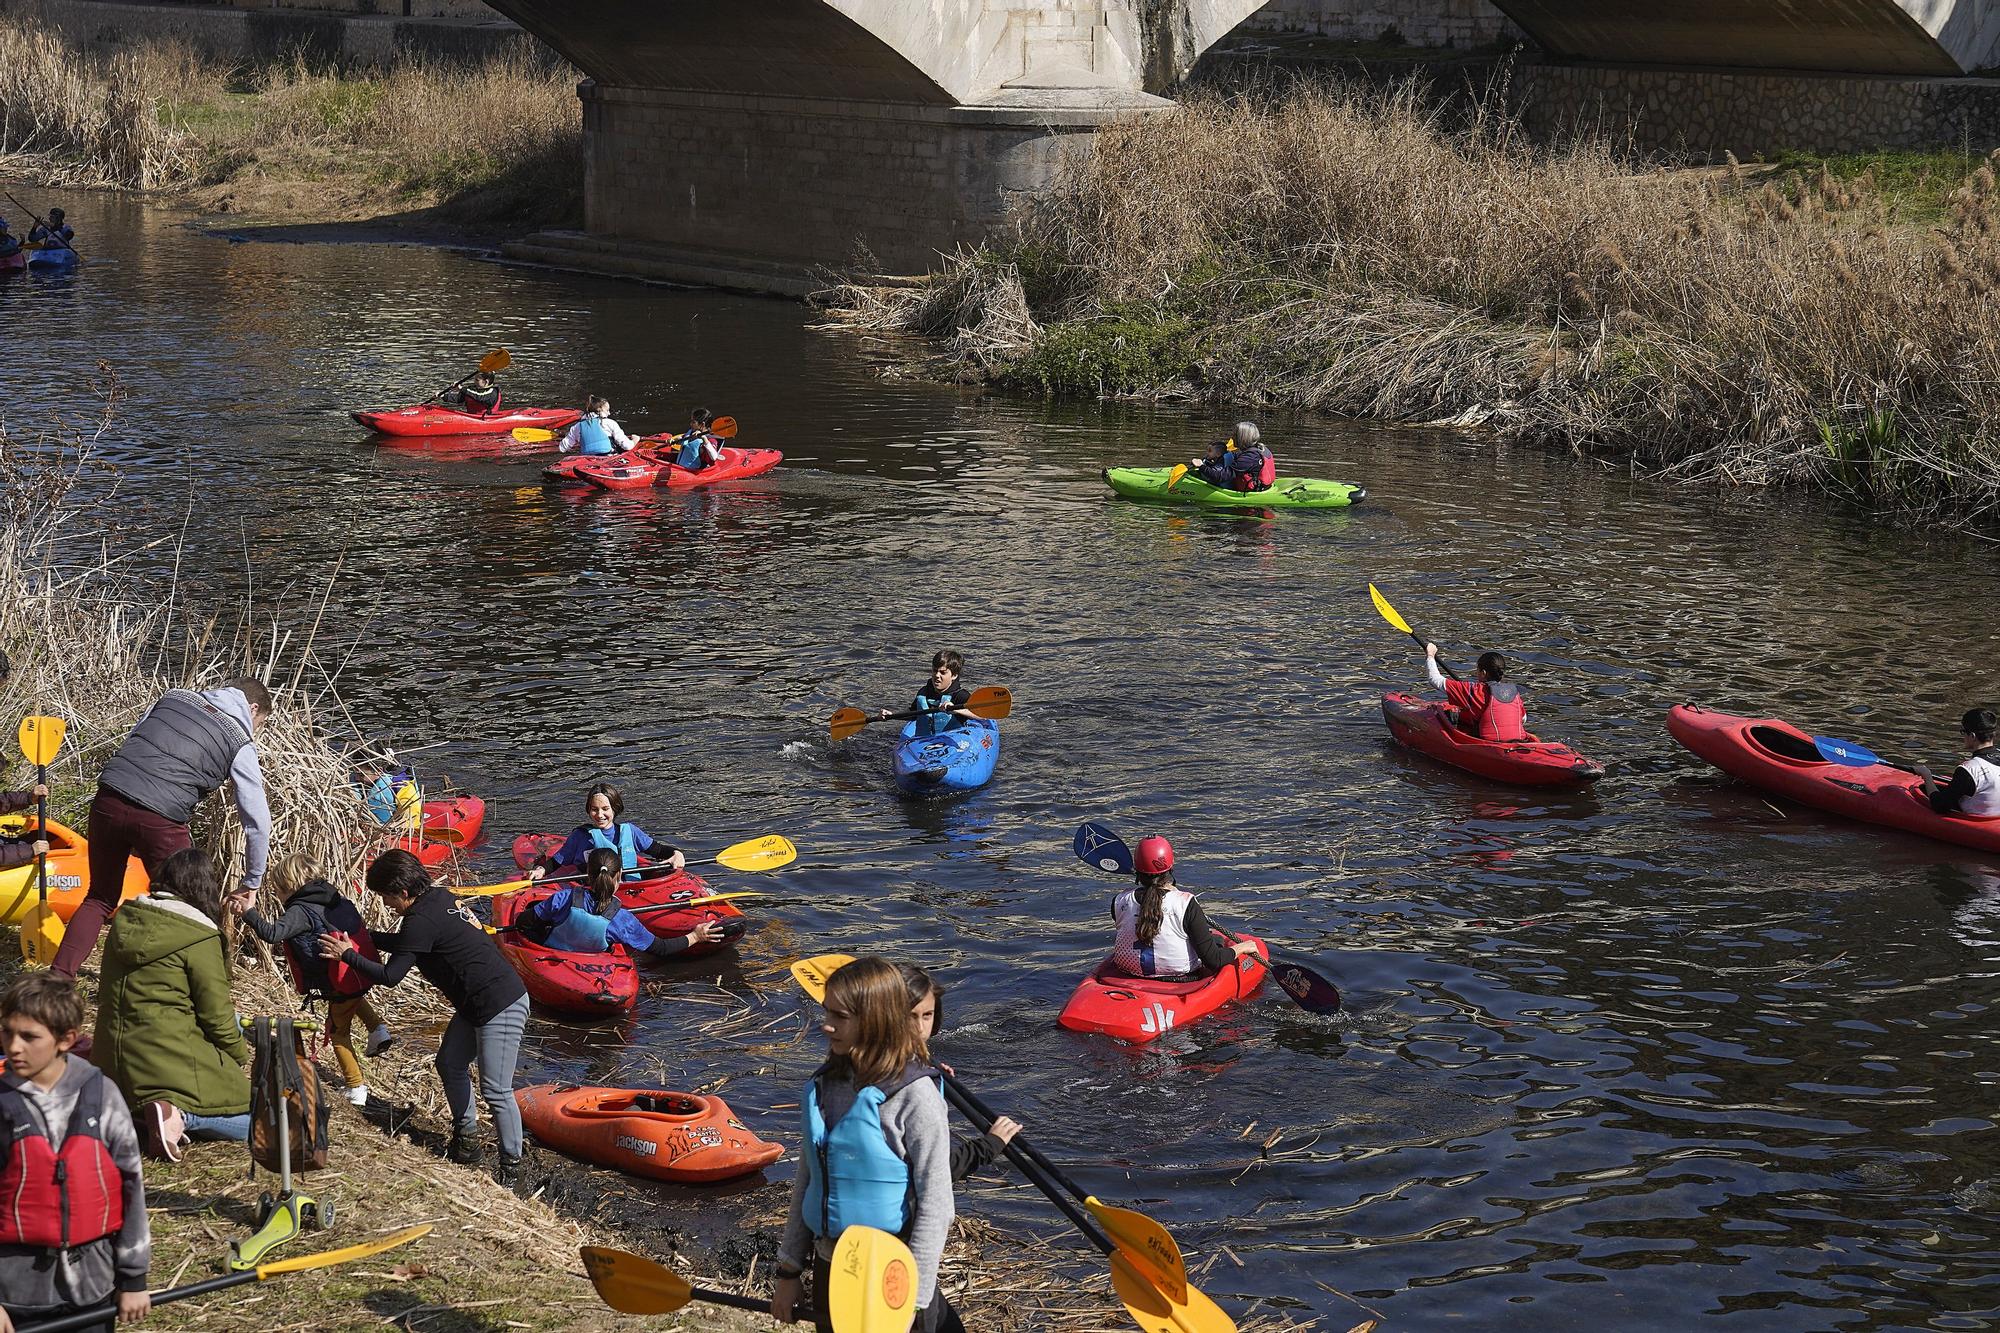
(750, 144)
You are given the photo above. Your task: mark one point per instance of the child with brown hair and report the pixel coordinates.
(877, 1148)
(313, 907)
(73, 1237)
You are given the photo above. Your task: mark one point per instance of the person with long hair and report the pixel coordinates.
(604, 825)
(589, 919)
(968, 1156)
(166, 1025)
(1162, 930)
(877, 1146)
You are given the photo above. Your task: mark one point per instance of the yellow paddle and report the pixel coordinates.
(1144, 1244)
(873, 1288)
(768, 852)
(492, 363)
(303, 1263)
(1153, 1310)
(1389, 614)
(633, 1284)
(42, 933)
(1174, 476)
(532, 434)
(992, 702)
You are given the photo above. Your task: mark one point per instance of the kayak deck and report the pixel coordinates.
(1139, 1009)
(1423, 725)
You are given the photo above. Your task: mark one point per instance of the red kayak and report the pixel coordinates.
(734, 465)
(1777, 757)
(672, 894)
(455, 819)
(1420, 724)
(1138, 1009)
(437, 419)
(562, 982)
(620, 472)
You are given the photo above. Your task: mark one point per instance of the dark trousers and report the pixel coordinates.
(118, 830)
(24, 1318)
(937, 1317)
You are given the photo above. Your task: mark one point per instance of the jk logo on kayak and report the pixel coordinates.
(1158, 1018)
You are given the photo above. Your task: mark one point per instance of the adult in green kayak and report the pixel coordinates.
(1974, 789)
(1239, 463)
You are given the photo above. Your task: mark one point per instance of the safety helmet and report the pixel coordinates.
(1154, 856)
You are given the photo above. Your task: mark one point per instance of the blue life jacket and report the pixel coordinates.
(380, 796)
(592, 439)
(940, 705)
(582, 931)
(619, 839)
(859, 1180)
(689, 456)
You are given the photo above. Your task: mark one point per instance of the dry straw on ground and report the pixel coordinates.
(1351, 250)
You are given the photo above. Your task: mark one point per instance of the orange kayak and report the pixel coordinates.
(69, 874)
(683, 1136)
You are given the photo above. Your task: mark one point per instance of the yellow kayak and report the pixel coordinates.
(69, 874)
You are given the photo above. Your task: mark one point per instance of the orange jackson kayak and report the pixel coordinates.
(69, 873)
(683, 1136)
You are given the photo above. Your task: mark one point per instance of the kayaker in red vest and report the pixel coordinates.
(1974, 789)
(78, 1241)
(1162, 930)
(1239, 463)
(1491, 707)
(481, 397)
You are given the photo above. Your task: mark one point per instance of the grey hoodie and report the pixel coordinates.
(35, 1281)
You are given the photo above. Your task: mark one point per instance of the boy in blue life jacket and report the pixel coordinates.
(596, 434)
(698, 449)
(942, 698)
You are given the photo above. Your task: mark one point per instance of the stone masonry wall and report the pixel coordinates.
(1457, 23)
(807, 181)
(1707, 111)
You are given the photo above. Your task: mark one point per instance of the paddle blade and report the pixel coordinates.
(812, 973)
(41, 935)
(1100, 847)
(1174, 477)
(1834, 752)
(496, 360)
(1388, 611)
(1154, 1312)
(723, 428)
(41, 739)
(633, 1284)
(765, 853)
(305, 1263)
(532, 434)
(874, 1284)
(846, 723)
(992, 702)
(1308, 989)
(1145, 1245)
(491, 890)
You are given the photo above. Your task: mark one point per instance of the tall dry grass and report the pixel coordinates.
(1345, 249)
(500, 138)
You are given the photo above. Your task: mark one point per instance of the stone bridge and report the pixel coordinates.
(751, 143)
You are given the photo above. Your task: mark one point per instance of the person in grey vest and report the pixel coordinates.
(188, 745)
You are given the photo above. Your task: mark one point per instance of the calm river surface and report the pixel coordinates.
(1653, 1056)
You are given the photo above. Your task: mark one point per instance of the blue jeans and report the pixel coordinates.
(496, 1044)
(235, 1128)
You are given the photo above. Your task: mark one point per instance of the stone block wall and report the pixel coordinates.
(798, 182)
(1706, 112)
(1455, 23)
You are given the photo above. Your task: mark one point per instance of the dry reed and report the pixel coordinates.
(1347, 249)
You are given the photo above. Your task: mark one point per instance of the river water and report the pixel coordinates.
(1650, 1056)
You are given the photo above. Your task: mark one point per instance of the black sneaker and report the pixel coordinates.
(463, 1151)
(509, 1172)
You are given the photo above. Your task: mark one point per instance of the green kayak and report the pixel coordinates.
(1150, 483)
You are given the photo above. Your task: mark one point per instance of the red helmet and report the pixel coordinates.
(1155, 856)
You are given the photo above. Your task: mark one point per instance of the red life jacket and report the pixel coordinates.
(1266, 477)
(58, 1198)
(1503, 719)
(341, 982)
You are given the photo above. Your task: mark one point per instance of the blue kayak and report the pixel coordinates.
(54, 257)
(961, 759)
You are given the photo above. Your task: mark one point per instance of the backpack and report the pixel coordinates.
(330, 978)
(284, 1083)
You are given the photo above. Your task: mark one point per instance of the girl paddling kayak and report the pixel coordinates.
(1162, 930)
(603, 827)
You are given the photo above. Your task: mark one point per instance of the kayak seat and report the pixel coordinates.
(1787, 744)
(645, 1103)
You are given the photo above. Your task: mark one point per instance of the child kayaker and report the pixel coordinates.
(481, 398)
(1239, 463)
(313, 907)
(1162, 930)
(926, 1009)
(1974, 789)
(877, 1146)
(602, 827)
(595, 434)
(74, 1236)
(489, 1003)
(587, 919)
(55, 233)
(10, 244)
(391, 794)
(1491, 707)
(697, 448)
(942, 695)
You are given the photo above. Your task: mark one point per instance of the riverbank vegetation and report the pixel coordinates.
(466, 143)
(1350, 250)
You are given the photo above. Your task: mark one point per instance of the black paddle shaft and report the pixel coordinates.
(730, 1299)
(1030, 1164)
(42, 832)
(95, 1318)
